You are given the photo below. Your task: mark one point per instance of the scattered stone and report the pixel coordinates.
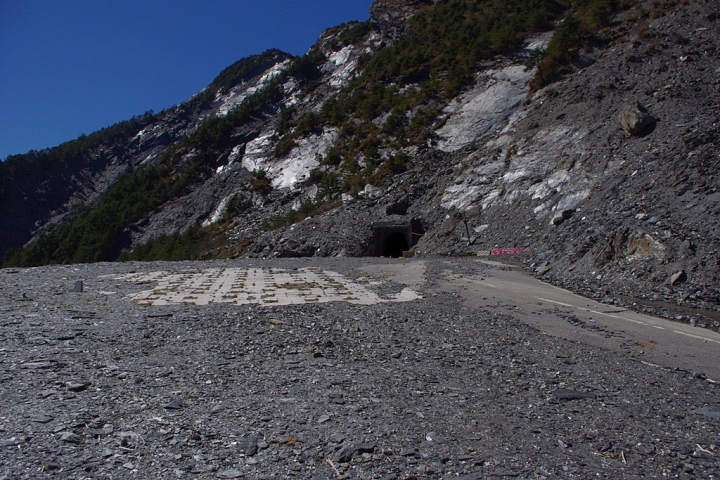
(10, 442)
(565, 215)
(248, 446)
(344, 455)
(543, 270)
(70, 437)
(408, 452)
(77, 386)
(46, 393)
(50, 466)
(563, 395)
(42, 419)
(173, 405)
(78, 286)
(712, 411)
(232, 473)
(366, 448)
(678, 277)
(605, 446)
(36, 365)
(636, 120)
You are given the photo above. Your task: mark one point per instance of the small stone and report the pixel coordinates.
(10, 442)
(636, 120)
(712, 411)
(543, 270)
(128, 465)
(66, 336)
(173, 405)
(344, 455)
(408, 452)
(78, 286)
(36, 365)
(50, 466)
(337, 438)
(366, 448)
(232, 473)
(77, 386)
(70, 437)
(566, 395)
(605, 447)
(248, 446)
(42, 419)
(323, 418)
(678, 277)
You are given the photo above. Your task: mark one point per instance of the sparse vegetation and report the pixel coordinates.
(187, 246)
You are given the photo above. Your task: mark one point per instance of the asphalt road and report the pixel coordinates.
(559, 312)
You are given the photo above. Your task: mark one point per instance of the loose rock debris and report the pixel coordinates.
(427, 389)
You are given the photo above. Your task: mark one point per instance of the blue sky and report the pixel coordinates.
(69, 67)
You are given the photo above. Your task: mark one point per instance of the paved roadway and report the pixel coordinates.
(561, 313)
(496, 287)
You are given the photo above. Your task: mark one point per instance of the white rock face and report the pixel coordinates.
(484, 109)
(296, 166)
(238, 94)
(342, 65)
(308, 194)
(218, 212)
(541, 167)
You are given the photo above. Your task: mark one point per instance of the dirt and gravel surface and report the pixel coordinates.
(93, 385)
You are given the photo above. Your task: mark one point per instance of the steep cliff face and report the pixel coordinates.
(606, 178)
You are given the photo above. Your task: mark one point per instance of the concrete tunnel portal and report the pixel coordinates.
(393, 239)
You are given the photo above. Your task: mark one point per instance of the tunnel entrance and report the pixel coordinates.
(393, 239)
(394, 246)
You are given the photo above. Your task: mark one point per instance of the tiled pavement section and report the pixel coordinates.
(272, 286)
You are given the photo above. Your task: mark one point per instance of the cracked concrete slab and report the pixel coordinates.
(240, 286)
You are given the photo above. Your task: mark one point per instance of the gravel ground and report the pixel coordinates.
(94, 386)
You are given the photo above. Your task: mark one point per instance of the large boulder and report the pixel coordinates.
(636, 120)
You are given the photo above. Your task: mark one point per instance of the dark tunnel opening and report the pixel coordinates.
(395, 244)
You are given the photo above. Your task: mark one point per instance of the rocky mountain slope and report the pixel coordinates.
(597, 159)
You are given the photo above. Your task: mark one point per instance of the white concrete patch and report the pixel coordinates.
(241, 286)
